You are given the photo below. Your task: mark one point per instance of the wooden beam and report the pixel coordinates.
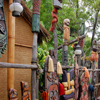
(73, 41)
(23, 66)
(65, 67)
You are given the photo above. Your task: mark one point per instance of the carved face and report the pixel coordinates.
(66, 22)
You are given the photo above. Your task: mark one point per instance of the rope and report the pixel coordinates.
(55, 18)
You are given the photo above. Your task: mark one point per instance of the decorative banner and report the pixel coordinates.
(13, 94)
(36, 16)
(25, 91)
(3, 29)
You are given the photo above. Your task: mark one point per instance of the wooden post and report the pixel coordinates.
(65, 55)
(55, 43)
(35, 30)
(11, 48)
(34, 59)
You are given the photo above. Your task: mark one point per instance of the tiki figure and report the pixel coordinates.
(66, 35)
(13, 94)
(25, 91)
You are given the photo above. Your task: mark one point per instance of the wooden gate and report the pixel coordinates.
(51, 79)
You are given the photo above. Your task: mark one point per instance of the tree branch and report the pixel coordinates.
(94, 27)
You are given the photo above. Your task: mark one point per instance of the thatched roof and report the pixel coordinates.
(27, 15)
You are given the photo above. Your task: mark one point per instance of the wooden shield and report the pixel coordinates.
(3, 29)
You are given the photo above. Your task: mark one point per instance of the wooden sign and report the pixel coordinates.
(3, 29)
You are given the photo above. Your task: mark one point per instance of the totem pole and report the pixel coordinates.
(51, 77)
(57, 5)
(3, 29)
(66, 37)
(35, 30)
(25, 91)
(78, 52)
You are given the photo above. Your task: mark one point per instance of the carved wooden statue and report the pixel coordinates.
(13, 94)
(25, 91)
(66, 29)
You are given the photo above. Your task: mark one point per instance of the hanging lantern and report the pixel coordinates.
(16, 8)
(93, 56)
(57, 4)
(95, 46)
(78, 50)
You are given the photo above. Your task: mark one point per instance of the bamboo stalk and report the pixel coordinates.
(11, 48)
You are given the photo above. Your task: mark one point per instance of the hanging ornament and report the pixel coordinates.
(59, 68)
(50, 65)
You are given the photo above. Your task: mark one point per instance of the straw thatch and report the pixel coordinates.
(27, 15)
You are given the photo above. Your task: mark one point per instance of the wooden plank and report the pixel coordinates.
(23, 66)
(71, 42)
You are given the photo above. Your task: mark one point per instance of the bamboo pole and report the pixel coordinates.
(11, 48)
(22, 66)
(73, 41)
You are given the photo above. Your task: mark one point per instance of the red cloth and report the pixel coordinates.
(44, 95)
(61, 89)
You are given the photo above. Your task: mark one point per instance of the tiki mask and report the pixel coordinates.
(25, 91)
(13, 94)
